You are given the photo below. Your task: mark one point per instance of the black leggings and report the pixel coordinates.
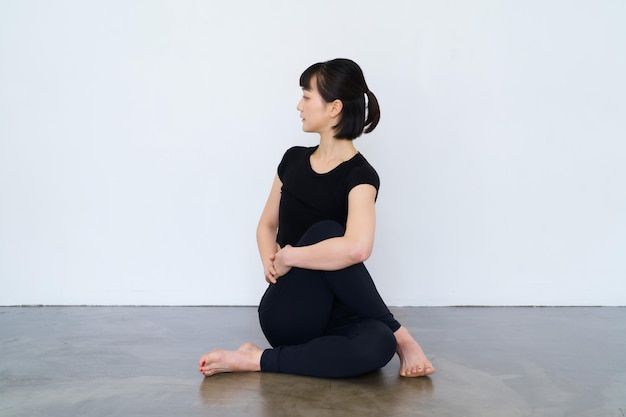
(326, 323)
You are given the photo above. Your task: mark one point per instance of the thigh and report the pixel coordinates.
(355, 289)
(353, 286)
(296, 309)
(351, 349)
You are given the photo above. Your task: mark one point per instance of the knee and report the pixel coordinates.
(381, 347)
(322, 230)
(387, 345)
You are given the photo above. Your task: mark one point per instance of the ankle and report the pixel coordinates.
(403, 336)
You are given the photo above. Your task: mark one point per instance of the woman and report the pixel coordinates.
(321, 312)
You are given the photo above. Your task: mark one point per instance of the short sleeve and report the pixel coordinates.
(284, 164)
(363, 174)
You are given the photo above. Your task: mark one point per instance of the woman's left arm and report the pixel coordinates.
(340, 252)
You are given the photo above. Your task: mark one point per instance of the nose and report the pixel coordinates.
(299, 105)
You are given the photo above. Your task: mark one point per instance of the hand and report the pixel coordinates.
(276, 266)
(270, 271)
(279, 261)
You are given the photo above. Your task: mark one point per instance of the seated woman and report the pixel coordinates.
(321, 312)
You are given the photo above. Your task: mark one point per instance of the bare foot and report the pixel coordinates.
(245, 359)
(413, 361)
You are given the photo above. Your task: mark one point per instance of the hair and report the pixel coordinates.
(342, 79)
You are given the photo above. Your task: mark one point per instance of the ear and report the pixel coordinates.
(336, 108)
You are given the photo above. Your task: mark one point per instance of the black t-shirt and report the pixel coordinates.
(308, 197)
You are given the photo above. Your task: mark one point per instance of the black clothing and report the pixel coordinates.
(308, 197)
(323, 323)
(326, 323)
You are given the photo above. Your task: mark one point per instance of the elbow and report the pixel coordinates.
(265, 225)
(265, 230)
(360, 253)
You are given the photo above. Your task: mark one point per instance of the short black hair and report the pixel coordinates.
(342, 79)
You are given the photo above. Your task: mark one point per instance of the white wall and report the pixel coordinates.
(138, 141)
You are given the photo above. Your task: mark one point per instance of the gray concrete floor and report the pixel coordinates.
(142, 361)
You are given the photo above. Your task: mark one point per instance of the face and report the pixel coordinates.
(316, 114)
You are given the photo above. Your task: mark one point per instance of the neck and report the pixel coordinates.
(333, 148)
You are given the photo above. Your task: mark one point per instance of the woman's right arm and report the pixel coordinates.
(266, 231)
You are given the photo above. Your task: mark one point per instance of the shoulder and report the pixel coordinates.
(301, 150)
(363, 167)
(297, 152)
(362, 172)
(293, 157)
